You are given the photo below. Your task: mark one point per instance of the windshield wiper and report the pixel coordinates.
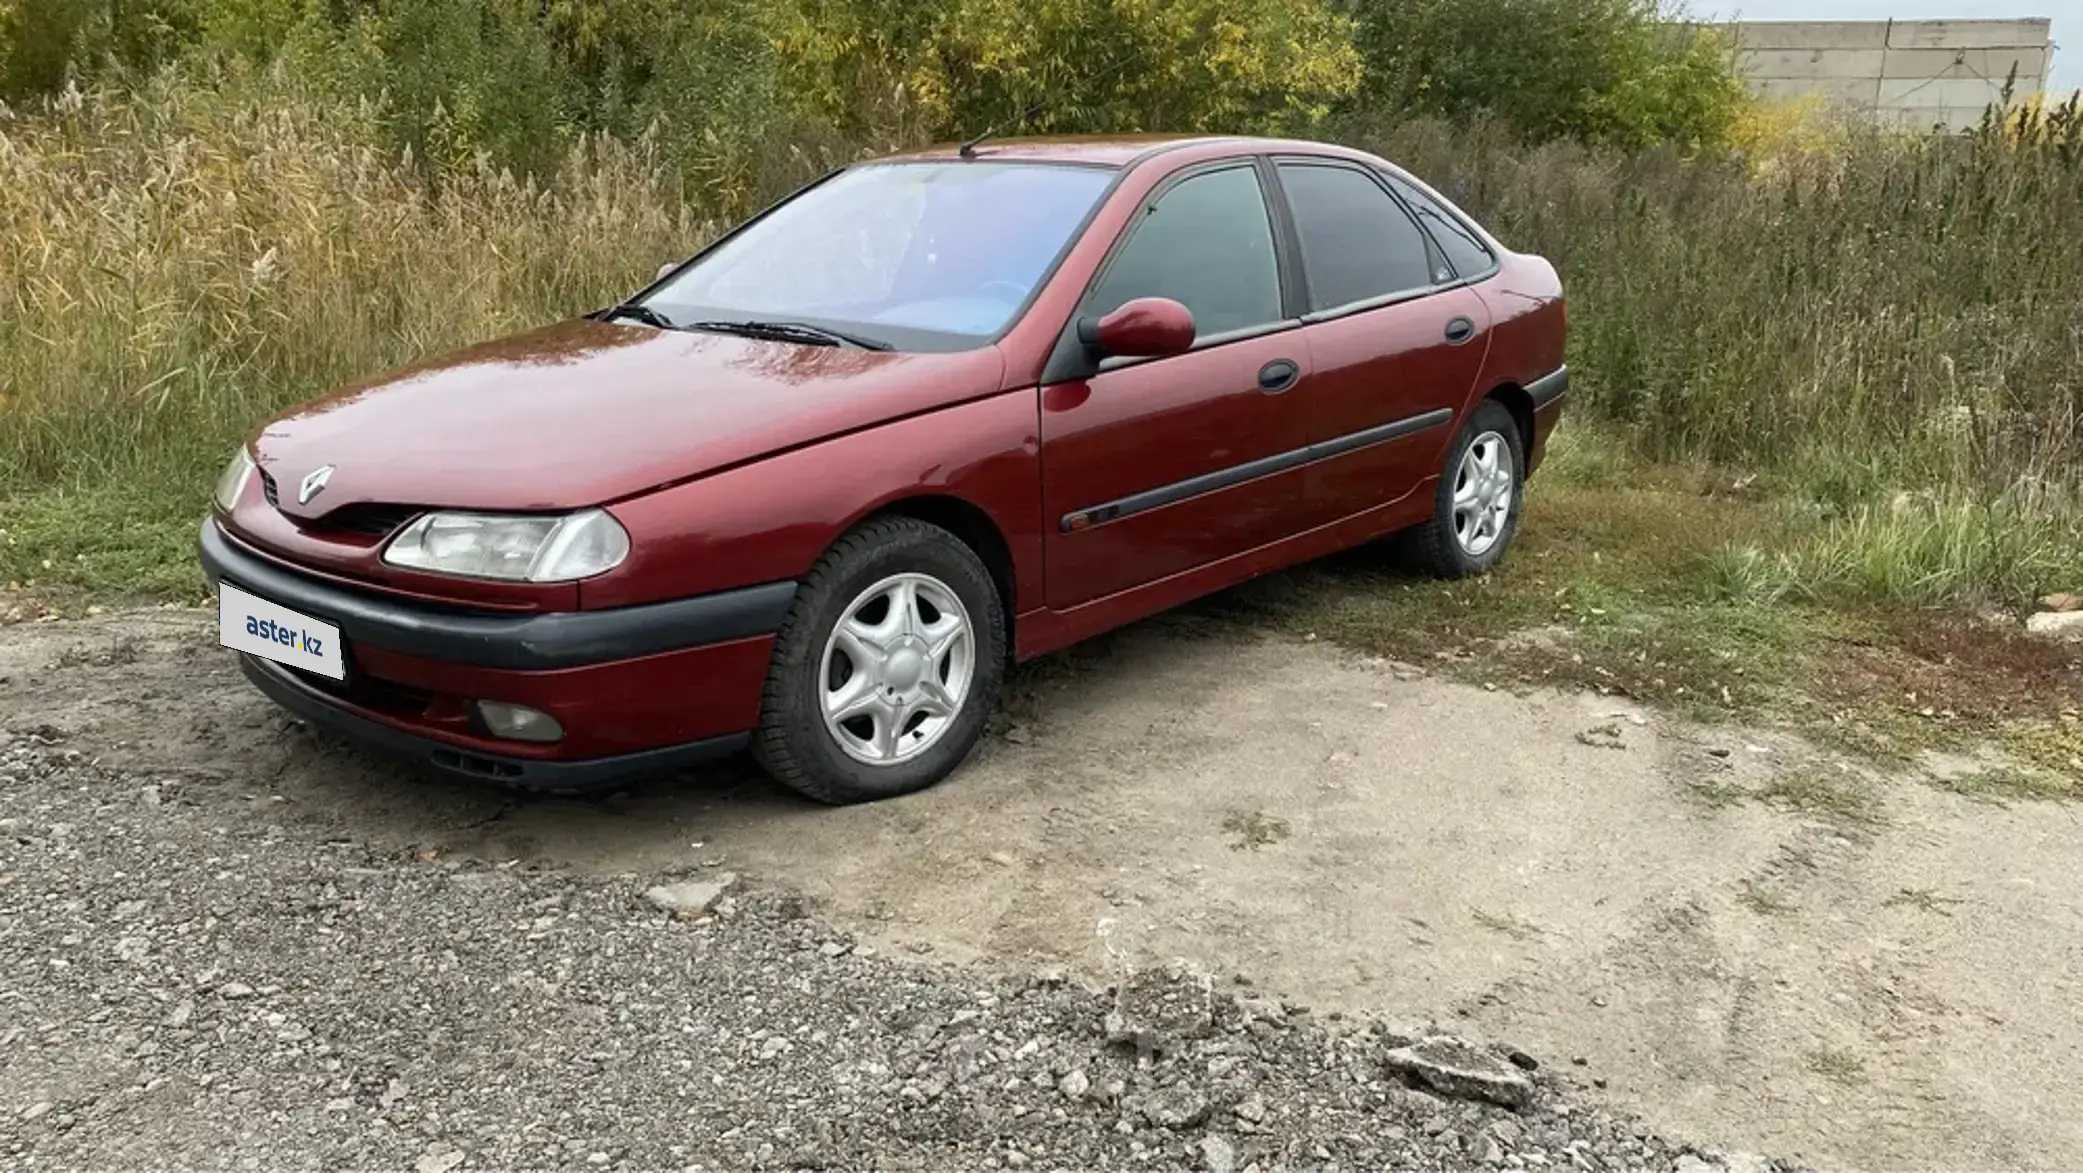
(793, 332)
(640, 313)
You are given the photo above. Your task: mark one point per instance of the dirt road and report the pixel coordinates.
(1716, 929)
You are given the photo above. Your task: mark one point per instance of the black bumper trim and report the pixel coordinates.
(552, 777)
(558, 639)
(1548, 388)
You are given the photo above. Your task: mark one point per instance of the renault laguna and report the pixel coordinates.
(814, 489)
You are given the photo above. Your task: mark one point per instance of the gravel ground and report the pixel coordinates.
(190, 977)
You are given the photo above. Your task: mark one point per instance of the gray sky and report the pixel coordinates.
(2067, 14)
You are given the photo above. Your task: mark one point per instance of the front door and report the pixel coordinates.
(1152, 467)
(1397, 342)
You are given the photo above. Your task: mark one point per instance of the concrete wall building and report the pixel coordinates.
(1914, 73)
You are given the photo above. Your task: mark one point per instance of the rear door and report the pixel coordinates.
(1397, 339)
(1155, 466)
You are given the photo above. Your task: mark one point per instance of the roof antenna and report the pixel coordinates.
(968, 149)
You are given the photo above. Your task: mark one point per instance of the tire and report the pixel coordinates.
(899, 740)
(1469, 538)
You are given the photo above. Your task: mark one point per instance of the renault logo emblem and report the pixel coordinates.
(314, 483)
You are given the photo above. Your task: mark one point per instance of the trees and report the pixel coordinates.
(1077, 65)
(1618, 71)
(726, 87)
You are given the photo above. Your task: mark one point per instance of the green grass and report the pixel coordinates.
(2003, 784)
(1828, 793)
(109, 543)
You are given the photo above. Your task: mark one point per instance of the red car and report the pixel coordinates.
(813, 489)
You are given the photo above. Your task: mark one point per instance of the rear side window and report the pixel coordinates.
(1207, 244)
(1469, 256)
(1357, 242)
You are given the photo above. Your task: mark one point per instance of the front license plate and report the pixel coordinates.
(249, 623)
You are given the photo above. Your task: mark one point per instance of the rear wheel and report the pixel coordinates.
(886, 667)
(1480, 496)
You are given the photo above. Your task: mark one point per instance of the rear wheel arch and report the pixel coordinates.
(1520, 404)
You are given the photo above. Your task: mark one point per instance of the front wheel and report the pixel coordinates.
(1480, 496)
(886, 668)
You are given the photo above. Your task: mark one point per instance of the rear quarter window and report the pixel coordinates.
(1464, 250)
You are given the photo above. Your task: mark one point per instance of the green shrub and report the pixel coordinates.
(1611, 71)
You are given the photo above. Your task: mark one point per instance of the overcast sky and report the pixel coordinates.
(2067, 14)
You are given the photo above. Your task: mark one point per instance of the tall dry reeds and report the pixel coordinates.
(182, 263)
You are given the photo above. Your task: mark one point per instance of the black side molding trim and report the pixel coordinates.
(1393, 430)
(1548, 387)
(557, 639)
(578, 776)
(1237, 474)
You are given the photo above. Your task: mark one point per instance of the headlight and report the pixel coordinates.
(518, 549)
(231, 483)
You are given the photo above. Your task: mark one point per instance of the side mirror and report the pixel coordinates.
(1148, 327)
(668, 267)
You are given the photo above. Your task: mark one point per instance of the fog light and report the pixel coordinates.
(518, 722)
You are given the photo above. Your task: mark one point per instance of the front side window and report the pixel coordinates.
(1464, 250)
(1207, 244)
(932, 256)
(1357, 242)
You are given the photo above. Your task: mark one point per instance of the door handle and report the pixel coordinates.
(1278, 376)
(1460, 330)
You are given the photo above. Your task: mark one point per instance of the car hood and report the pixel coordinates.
(585, 412)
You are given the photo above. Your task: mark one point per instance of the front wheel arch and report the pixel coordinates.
(793, 741)
(971, 526)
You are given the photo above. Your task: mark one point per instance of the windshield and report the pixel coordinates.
(930, 256)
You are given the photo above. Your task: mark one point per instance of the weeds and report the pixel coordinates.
(1921, 899)
(1254, 829)
(1506, 924)
(1839, 1066)
(1826, 793)
(1753, 896)
(2003, 784)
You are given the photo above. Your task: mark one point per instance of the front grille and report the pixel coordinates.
(368, 518)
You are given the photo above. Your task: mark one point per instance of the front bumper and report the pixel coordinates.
(638, 690)
(545, 775)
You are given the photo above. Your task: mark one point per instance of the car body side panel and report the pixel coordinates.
(1050, 630)
(1385, 365)
(1152, 428)
(1529, 324)
(771, 519)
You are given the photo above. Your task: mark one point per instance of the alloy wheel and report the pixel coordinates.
(1483, 488)
(897, 669)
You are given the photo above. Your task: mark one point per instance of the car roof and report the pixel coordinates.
(1104, 150)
